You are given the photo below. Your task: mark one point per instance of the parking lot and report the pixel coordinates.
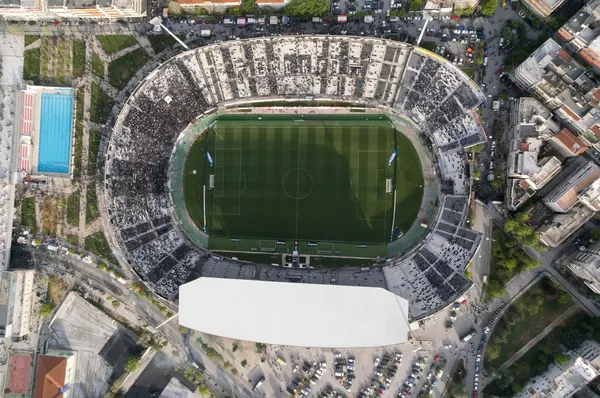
(358, 372)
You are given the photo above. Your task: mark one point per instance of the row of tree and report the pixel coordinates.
(510, 260)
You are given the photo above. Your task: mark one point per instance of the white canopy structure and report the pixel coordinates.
(297, 314)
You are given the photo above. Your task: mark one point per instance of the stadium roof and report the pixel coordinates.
(298, 314)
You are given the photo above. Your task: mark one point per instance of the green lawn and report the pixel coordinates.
(161, 42)
(101, 104)
(93, 146)
(73, 209)
(114, 43)
(97, 65)
(31, 65)
(73, 240)
(97, 244)
(78, 58)
(91, 210)
(28, 214)
(525, 319)
(30, 39)
(78, 132)
(321, 180)
(122, 69)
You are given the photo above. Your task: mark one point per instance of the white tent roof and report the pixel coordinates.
(297, 314)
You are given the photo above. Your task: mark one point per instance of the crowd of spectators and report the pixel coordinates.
(434, 93)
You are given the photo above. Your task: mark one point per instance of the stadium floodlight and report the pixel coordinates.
(427, 18)
(156, 21)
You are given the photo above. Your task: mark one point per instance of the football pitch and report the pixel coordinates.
(320, 181)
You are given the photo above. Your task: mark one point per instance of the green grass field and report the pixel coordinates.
(122, 69)
(321, 181)
(114, 43)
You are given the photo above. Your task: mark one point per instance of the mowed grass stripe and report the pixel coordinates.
(330, 155)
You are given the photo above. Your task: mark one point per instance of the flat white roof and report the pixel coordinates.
(297, 314)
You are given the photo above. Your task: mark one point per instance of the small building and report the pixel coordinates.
(55, 373)
(567, 144)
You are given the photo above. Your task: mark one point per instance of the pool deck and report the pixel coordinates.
(37, 92)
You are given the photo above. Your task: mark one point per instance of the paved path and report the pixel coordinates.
(517, 355)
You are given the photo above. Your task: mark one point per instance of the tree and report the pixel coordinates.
(46, 308)
(457, 390)
(116, 304)
(174, 8)
(132, 364)
(468, 11)
(561, 358)
(595, 235)
(235, 347)
(234, 371)
(227, 365)
(497, 183)
(429, 45)
(505, 380)
(492, 351)
(307, 8)
(244, 363)
(260, 348)
(415, 5)
(479, 59)
(488, 7)
(183, 330)
(509, 263)
(402, 13)
(248, 6)
(495, 289)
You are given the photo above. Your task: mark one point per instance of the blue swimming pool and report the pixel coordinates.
(55, 133)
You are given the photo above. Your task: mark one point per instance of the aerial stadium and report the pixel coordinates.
(250, 174)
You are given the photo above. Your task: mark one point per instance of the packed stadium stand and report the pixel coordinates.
(411, 81)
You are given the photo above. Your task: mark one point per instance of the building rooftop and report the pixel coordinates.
(565, 195)
(100, 344)
(573, 143)
(261, 312)
(50, 376)
(563, 225)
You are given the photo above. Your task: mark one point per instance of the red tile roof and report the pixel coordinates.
(562, 54)
(573, 143)
(564, 34)
(50, 376)
(569, 112)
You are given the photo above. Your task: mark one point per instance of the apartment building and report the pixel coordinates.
(585, 264)
(580, 186)
(564, 86)
(59, 9)
(543, 8)
(527, 171)
(580, 34)
(17, 295)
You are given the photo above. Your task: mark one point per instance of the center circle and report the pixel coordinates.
(297, 183)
